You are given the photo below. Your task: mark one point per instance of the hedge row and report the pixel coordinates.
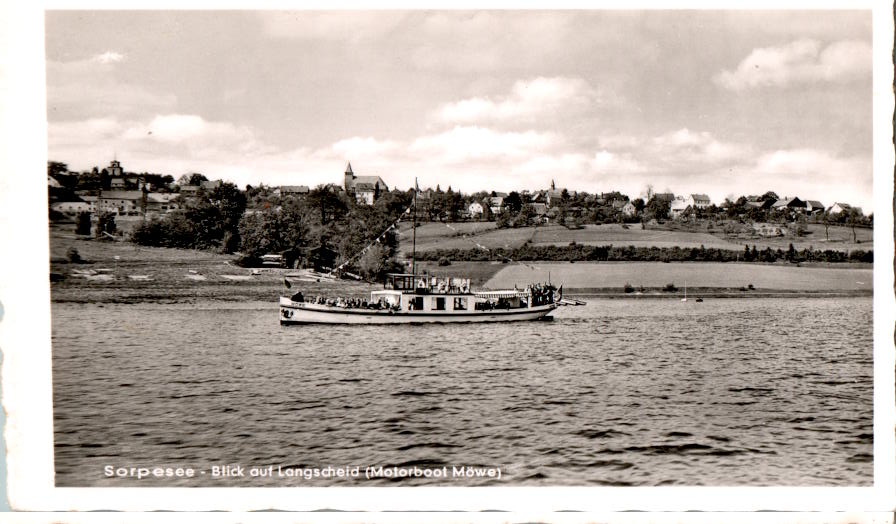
(610, 253)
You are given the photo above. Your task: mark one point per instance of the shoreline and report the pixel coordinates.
(123, 273)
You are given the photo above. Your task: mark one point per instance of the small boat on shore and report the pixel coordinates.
(410, 299)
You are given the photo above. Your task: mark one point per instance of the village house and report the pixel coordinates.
(678, 206)
(133, 203)
(475, 209)
(160, 203)
(365, 189)
(120, 203)
(790, 203)
(553, 195)
(292, 190)
(496, 204)
(700, 201)
(759, 202)
(71, 208)
(629, 210)
(541, 211)
(840, 207)
(814, 206)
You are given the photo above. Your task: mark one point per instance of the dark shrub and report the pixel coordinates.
(628, 288)
(444, 261)
(670, 287)
(73, 256)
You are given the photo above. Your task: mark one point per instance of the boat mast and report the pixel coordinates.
(414, 219)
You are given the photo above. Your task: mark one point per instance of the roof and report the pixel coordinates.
(664, 196)
(815, 203)
(368, 182)
(210, 184)
(69, 203)
(781, 202)
(294, 189)
(700, 196)
(161, 197)
(348, 168)
(122, 195)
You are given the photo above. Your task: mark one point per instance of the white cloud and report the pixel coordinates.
(466, 143)
(109, 57)
(191, 130)
(688, 147)
(605, 162)
(802, 61)
(527, 100)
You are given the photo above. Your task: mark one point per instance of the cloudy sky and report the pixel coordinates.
(718, 102)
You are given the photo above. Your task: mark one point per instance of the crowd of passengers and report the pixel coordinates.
(541, 294)
(349, 303)
(444, 285)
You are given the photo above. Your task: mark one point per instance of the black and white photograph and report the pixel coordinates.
(462, 248)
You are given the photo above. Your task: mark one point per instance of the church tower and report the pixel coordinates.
(349, 178)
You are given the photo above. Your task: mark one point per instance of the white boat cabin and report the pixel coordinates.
(450, 295)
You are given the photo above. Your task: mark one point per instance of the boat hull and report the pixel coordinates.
(305, 313)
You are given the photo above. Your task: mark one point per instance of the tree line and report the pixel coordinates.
(609, 253)
(322, 229)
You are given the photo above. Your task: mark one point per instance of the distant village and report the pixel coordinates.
(130, 196)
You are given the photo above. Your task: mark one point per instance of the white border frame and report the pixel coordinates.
(25, 331)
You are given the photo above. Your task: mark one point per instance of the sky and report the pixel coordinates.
(725, 103)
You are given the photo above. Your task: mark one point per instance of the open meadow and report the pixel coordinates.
(700, 275)
(121, 272)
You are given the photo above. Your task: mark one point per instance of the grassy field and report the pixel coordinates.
(168, 275)
(439, 236)
(629, 235)
(607, 275)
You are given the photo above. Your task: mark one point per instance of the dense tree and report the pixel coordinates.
(770, 196)
(657, 208)
(197, 179)
(55, 169)
(513, 202)
(328, 202)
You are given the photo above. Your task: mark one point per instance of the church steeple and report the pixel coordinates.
(349, 178)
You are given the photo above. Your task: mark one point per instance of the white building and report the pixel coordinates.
(366, 189)
(475, 209)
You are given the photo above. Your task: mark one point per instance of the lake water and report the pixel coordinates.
(770, 392)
